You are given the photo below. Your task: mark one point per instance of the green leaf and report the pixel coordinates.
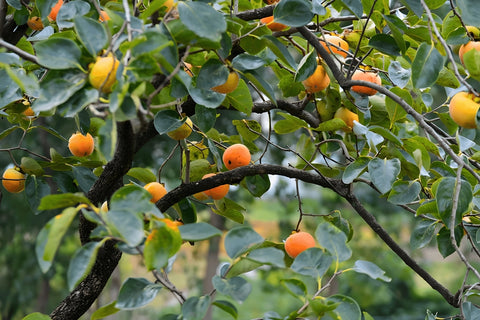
(206, 97)
(385, 44)
(212, 74)
(280, 50)
(198, 231)
(395, 111)
(294, 13)
(84, 177)
(81, 263)
(188, 211)
(142, 174)
(35, 190)
(269, 255)
(321, 305)
(397, 28)
(444, 196)
(245, 61)
(371, 270)
(226, 306)
(470, 311)
(422, 234)
(57, 229)
(469, 12)
(288, 124)
(444, 243)
(202, 19)
(243, 265)
(58, 53)
(132, 198)
(355, 169)
(240, 98)
(296, 287)
(135, 293)
(307, 66)
(238, 240)
(470, 60)
(447, 77)
(236, 287)
(57, 201)
(36, 316)
(404, 192)
(161, 244)
(258, 184)
(426, 66)
(355, 6)
(383, 173)
(40, 243)
(166, 121)
(195, 308)
(347, 308)
(229, 209)
(399, 76)
(334, 240)
(85, 27)
(69, 11)
(105, 311)
(125, 225)
(313, 262)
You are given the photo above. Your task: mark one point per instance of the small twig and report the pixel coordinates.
(22, 54)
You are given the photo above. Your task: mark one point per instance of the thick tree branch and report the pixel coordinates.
(294, 109)
(85, 294)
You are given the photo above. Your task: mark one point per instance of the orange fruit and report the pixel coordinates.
(463, 109)
(169, 4)
(216, 193)
(80, 145)
(230, 85)
(274, 26)
(28, 112)
(157, 190)
(103, 73)
(334, 43)
(347, 116)
(366, 76)
(35, 23)
(200, 196)
(183, 131)
(103, 16)
(53, 13)
(318, 81)
(298, 242)
(172, 224)
(13, 180)
(236, 155)
(464, 48)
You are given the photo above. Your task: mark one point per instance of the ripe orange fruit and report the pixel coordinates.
(463, 109)
(334, 43)
(80, 145)
(103, 73)
(172, 224)
(347, 116)
(274, 26)
(366, 76)
(200, 196)
(318, 81)
(236, 155)
(28, 112)
(103, 16)
(464, 48)
(53, 13)
(35, 23)
(230, 85)
(298, 242)
(13, 180)
(169, 4)
(216, 193)
(183, 131)
(157, 190)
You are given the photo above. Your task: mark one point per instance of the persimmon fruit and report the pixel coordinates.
(347, 116)
(54, 11)
(183, 131)
(272, 25)
(230, 85)
(463, 109)
(318, 81)
(464, 48)
(13, 180)
(218, 192)
(335, 45)
(103, 16)
(156, 189)
(35, 23)
(81, 145)
(103, 73)
(237, 155)
(298, 242)
(372, 77)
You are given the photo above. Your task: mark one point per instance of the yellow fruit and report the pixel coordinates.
(318, 81)
(157, 190)
(80, 145)
(230, 85)
(13, 180)
(298, 242)
(347, 116)
(463, 110)
(183, 131)
(334, 45)
(169, 4)
(103, 73)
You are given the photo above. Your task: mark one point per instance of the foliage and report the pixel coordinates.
(405, 147)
